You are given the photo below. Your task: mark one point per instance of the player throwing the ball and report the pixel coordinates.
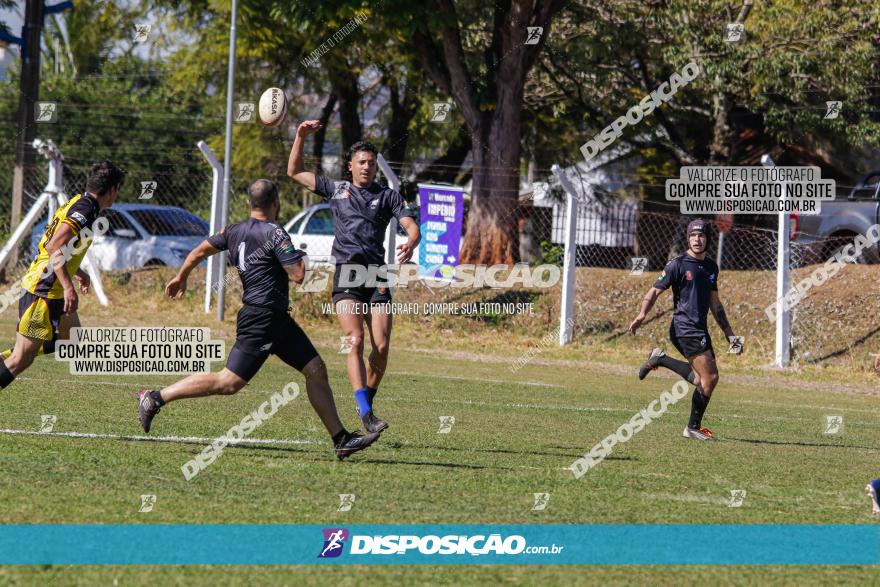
(362, 210)
(266, 260)
(694, 282)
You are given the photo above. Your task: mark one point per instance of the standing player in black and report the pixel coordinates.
(362, 210)
(694, 281)
(266, 260)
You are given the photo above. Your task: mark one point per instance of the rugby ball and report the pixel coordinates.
(273, 107)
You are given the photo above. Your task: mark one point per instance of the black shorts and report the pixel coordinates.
(690, 346)
(260, 332)
(38, 316)
(365, 295)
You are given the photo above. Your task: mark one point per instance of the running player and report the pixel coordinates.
(362, 210)
(266, 260)
(49, 300)
(694, 281)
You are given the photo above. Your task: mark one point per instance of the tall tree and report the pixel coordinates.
(486, 76)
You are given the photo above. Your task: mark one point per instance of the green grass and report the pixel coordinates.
(514, 434)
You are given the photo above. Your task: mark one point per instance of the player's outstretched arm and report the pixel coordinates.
(295, 164)
(647, 304)
(177, 286)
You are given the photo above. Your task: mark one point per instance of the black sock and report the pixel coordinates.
(683, 368)
(6, 376)
(157, 397)
(371, 393)
(699, 402)
(339, 437)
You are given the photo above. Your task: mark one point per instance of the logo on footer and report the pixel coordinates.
(334, 540)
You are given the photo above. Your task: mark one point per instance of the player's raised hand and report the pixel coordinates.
(176, 287)
(309, 127)
(404, 252)
(636, 323)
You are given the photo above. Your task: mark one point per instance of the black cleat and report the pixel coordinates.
(148, 406)
(353, 442)
(373, 424)
(651, 363)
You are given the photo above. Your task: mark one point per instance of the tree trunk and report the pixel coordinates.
(722, 135)
(491, 107)
(491, 235)
(344, 84)
(321, 135)
(402, 112)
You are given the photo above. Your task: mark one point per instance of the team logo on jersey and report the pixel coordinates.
(689, 276)
(78, 217)
(342, 192)
(374, 204)
(383, 290)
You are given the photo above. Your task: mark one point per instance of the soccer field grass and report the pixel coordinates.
(514, 435)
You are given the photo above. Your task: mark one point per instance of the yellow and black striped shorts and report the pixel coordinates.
(38, 316)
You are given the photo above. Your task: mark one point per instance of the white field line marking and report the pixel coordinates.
(79, 381)
(496, 404)
(155, 438)
(806, 406)
(434, 375)
(427, 375)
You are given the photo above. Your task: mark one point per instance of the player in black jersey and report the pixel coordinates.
(694, 282)
(266, 262)
(362, 210)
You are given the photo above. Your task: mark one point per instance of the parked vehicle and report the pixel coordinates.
(312, 231)
(817, 236)
(142, 236)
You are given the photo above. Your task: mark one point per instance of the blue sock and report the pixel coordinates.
(362, 398)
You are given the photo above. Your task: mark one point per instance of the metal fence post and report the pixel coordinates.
(391, 235)
(783, 282)
(215, 268)
(566, 315)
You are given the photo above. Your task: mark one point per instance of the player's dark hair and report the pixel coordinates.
(362, 146)
(104, 176)
(262, 193)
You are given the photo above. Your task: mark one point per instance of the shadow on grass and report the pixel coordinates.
(799, 443)
(849, 347)
(625, 331)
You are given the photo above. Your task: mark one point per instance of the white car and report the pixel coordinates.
(312, 232)
(142, 235)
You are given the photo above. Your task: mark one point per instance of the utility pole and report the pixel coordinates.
(25, 157)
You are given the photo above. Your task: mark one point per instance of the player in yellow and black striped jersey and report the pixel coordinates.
(49, 299)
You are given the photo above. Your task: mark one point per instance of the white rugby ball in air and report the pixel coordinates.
(273, 107)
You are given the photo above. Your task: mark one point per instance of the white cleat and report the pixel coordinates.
(701, 434)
